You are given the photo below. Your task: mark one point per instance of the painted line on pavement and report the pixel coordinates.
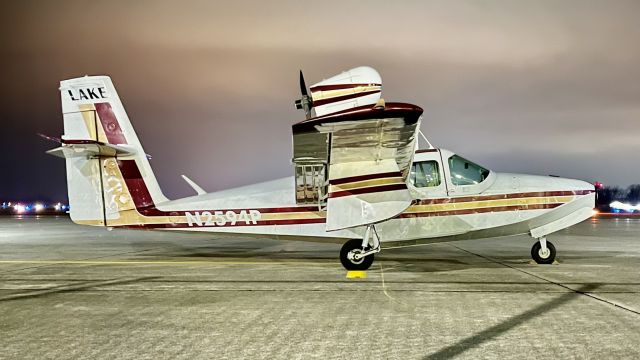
(159, 262)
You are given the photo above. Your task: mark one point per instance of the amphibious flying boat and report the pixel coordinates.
(359, 179)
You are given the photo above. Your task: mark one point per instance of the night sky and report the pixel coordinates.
(540, 87)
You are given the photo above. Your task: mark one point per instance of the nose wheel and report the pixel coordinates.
(543, 251)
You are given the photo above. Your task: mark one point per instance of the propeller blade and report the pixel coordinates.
(303, 86)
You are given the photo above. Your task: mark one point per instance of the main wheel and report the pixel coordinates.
(543, 257)
(354, 246)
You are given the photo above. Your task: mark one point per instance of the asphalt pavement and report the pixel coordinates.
(70, 291)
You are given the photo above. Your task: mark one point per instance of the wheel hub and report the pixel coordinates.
(544, 253)
(355, 256)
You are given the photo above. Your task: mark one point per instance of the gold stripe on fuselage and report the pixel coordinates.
(470, 205)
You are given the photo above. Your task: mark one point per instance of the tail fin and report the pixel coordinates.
(98, 142)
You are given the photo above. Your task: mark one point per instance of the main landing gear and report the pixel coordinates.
(357, 254)
(543, 251)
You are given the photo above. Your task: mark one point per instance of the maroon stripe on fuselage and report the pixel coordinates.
(343, 97)
(339, 87)
(110, 124)
(153, 211)
(367, 190)
(501, 197)
(238, 224)
(426, 151)
(351, 179)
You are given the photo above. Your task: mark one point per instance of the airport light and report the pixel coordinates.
(37, 207)
(620, 206)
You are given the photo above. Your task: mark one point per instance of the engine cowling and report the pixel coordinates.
(356, 87)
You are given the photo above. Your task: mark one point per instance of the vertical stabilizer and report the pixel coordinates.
(94, 115)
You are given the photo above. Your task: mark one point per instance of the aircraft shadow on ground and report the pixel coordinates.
(67, 288)
(492, 332)
(426, 260)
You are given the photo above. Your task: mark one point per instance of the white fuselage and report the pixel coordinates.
(354, 165)
(501, 205)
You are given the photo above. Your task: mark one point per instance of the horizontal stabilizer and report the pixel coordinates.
(90, 148)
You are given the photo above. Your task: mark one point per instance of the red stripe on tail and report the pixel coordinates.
(135, 183)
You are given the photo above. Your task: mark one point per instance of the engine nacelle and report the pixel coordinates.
(356, 87)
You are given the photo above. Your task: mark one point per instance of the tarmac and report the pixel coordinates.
(70, 292)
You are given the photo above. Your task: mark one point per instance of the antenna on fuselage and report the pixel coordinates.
(305, 103)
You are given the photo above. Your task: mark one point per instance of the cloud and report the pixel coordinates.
(210, 85)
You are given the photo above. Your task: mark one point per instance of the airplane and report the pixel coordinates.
(360, 179)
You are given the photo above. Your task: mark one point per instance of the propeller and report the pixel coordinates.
(305, 103)
(303, 86)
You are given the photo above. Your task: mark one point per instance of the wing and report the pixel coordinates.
(366, 153)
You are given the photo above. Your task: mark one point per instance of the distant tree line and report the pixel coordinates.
(608, 194)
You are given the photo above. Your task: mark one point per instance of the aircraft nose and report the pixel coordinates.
(573, 184)
(584, 192)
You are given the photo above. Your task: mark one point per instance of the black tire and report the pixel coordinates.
(362, 264)
(537, 257)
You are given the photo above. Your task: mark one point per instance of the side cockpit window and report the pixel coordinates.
(425, 174)
(464, 172)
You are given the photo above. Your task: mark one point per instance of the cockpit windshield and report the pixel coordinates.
(465, 172)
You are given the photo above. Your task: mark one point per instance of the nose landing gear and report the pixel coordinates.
(543, 251)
